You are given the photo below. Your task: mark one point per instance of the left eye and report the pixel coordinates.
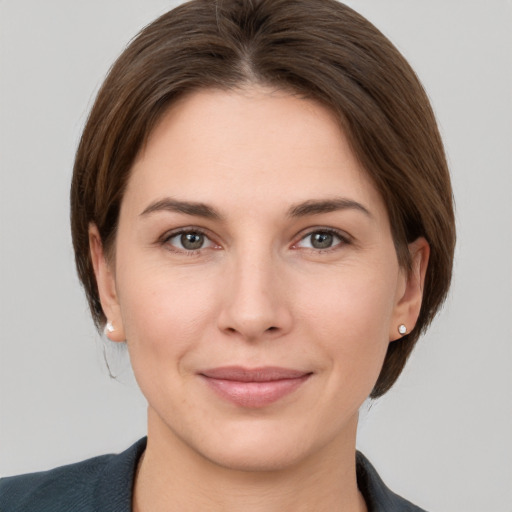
(320, 240)
(189, 241)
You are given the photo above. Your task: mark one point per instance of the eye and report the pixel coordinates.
(321, 239)
(189, 241)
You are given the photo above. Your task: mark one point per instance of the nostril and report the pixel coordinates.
(272, 329)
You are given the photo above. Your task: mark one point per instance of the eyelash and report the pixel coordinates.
(167, 237)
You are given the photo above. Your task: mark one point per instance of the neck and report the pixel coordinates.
(173, 477)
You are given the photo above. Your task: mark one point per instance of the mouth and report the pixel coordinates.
(254, 388)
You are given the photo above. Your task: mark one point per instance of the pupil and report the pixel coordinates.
(192, 241)
(321, 240)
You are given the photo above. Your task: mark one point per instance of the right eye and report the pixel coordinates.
(189, 241)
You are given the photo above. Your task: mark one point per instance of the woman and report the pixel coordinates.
(261, 209)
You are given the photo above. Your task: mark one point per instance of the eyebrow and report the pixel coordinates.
(187, 207)
(310, 207)
(317, 207)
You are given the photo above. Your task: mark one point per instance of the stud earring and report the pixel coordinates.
(109, 327)
(402, 329)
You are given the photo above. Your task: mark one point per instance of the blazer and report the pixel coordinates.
(104, 484)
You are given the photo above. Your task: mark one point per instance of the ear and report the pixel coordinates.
(410, 289)
(105, 279)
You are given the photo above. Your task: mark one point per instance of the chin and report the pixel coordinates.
(264, 445)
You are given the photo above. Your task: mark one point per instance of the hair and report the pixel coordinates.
(319, 49)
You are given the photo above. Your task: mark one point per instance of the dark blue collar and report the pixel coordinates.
(105, 484)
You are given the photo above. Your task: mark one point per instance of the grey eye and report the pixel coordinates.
(189, 241)
(192, 241)
(322, 240)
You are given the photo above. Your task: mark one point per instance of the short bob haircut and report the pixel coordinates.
(317, 49)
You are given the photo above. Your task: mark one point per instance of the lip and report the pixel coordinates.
(255, 387)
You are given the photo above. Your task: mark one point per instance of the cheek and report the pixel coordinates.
(350, 313)
(165, 312)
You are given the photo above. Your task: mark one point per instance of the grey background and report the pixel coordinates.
(443, 435)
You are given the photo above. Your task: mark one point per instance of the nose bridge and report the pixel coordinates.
(255, 303)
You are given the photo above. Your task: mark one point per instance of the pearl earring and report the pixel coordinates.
(109, 327)
(402, 329)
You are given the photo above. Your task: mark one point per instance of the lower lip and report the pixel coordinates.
(255, 394)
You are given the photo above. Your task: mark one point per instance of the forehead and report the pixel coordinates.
(248, 147)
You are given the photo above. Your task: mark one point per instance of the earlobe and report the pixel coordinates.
(105, 280)
(111, 333)
(408, 305)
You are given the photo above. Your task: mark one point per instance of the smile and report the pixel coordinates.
(254, 388)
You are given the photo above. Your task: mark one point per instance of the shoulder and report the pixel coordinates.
(378, 497)
(97, 484)
(65, 488)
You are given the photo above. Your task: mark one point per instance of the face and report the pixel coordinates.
(255, 279)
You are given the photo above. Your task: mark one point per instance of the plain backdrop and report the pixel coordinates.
(442, 437)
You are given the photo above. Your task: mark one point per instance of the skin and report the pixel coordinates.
(257, 293)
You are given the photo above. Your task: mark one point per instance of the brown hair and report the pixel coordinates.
(320, 49)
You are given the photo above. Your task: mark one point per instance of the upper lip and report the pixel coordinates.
(264, 374)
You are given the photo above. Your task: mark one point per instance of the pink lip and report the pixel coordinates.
(255, 387)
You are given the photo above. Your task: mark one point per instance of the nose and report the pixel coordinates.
(255, 302)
